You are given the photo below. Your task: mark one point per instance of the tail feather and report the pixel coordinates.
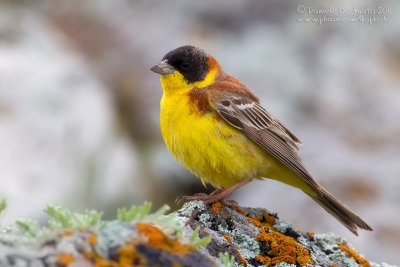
(340, 211)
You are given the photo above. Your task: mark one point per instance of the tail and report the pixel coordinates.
(339, 211)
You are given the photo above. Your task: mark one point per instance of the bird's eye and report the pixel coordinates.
(185, 65)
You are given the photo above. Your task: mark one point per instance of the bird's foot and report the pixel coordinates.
(207, 199)
(218, 195)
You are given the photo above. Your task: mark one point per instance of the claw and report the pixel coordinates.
(218, 195)
(199, 196)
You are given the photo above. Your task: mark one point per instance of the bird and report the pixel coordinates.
(216, 127)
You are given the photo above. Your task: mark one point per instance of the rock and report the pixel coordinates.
(195, 235)
(256, 237)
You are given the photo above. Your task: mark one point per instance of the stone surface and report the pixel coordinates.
(195, 235)
(256, 237)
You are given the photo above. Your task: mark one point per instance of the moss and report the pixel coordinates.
(352, 253)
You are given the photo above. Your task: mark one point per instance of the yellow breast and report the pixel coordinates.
(209, 147)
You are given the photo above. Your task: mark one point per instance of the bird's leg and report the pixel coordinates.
(198, 196)
(217, 195)
(216, 191)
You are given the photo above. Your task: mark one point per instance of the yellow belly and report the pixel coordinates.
(212, 149)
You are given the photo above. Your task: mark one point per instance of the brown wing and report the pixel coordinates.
(244, 112)
(241, 108)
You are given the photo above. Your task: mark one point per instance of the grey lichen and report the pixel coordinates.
(236, 233)
(282, 226)
(284, 264)
(196, 235)
(247, 245)
(136, 237)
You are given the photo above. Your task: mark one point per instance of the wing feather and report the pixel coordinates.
(247, 115)
(239, 107)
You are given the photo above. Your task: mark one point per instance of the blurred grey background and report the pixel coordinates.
(79, 107)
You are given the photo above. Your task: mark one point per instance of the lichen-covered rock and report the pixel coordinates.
(196, 235)
(135, 238)
(256, 237)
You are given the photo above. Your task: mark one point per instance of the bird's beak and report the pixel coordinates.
(163, 68)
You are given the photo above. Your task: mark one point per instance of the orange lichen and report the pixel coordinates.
(242, 260)
(268, 219)
(100, 262)
(228, 238)
(311, 234)
(97, 260)
(155, 238)
(217, 207)
(283, 248)
(64, 259)
(256, 222)
(334, 265)
(92, 239)
(352, 253)
(241, 211)
(68, 232)
(128, 256)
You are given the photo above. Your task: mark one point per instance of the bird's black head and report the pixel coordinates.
(190, 61)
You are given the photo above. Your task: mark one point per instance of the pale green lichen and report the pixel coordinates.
(3, 206)
(223, 229)
(342, 258)
(142, 213)
(61, 218)
(226, 259)
(204, 219)
(134, 212)
(115, 233)
(284, 264)
(282, 226)
(86, 231)
(373, 264)
(247, 246)
(328, 241)
(30, 227)
(189, 207)
(196, 241)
